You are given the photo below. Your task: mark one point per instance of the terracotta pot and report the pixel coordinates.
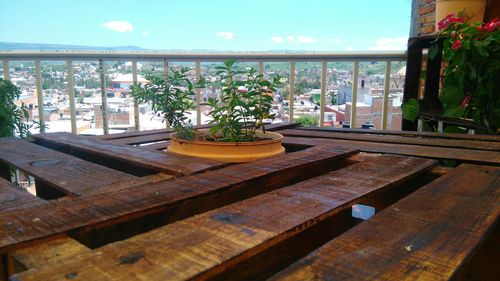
(234, 152)
(472, 8)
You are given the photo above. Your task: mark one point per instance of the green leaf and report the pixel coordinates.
(433, 51)
(454, 130)
(451, 95)
(410, 109)
(454, 112)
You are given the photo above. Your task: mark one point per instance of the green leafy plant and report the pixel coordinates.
(12, 116)
(242, 109)
(243, 105)
(471, 87)
(172, 99)
(307, 120)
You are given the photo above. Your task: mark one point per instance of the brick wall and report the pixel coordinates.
(426, 17)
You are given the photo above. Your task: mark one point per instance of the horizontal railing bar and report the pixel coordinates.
(205, 57)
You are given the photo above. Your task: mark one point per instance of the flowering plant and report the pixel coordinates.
(471, 86)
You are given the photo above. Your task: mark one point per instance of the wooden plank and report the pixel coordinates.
(475, 145)
(48, 252)
(133, 184)
(214, 244)
(15, 198)
(175, 198)
(66, 173)
(473, 156)
(12, 198)
(281, 126)
(156, 146)
(142, 139)
(124, 157)
(271, 127)
(135, 134)
(428, 235)
(434, 135)
(165, 135)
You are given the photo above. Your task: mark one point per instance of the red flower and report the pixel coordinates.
(451, 18)
(492, 25)
(453, 34)
(465, 101)
(456, 44)
(455, 19)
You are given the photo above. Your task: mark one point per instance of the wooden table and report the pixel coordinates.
(117, 207)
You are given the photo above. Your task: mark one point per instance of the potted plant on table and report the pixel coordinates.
(471, 84)
(237, 131)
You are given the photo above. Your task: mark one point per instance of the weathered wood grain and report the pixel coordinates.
(135, 134)
(56, 250)
(15, 198)
(12, 198)
(175, 198)
(473, 156)
(156, 146)
(66, 173)
(428, 235)
(204, 246)
(434, 135)
(125, 157)
(142, 139)
(452, 143)
(270, 127)
(163, 135)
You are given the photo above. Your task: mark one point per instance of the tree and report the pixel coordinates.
(12, 116)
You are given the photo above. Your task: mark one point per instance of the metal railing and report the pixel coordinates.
(101, 56)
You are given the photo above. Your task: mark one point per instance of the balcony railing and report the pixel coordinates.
(8, 57)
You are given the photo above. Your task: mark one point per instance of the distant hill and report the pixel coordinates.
(9, 46)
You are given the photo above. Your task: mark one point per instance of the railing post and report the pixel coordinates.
(71, 96)
(104, 98)
(322, 98)
(198, 93)
(261, 67)
(354, 94)
(6, 69)
(136, 104)
(387, 87)
(165, 77)
(291, 98)
(39, 94)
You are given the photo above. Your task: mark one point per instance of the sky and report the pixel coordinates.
(237, 25)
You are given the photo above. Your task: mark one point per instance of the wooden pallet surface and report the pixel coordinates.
(179, 197)
(459, 154)
(378, 138)
(429, 235)
(66, 173)
(206, 245)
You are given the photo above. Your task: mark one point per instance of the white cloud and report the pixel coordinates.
(277, 39)
(350, 48)
(120, 26)
(291, 38)
(388, 44)
(304, 39)
(225, 34)
(145, 33)
(335, 40)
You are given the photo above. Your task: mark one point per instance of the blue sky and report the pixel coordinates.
(249, 25)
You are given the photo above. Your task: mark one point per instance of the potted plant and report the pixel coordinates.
(237, 131)
(471, 86)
